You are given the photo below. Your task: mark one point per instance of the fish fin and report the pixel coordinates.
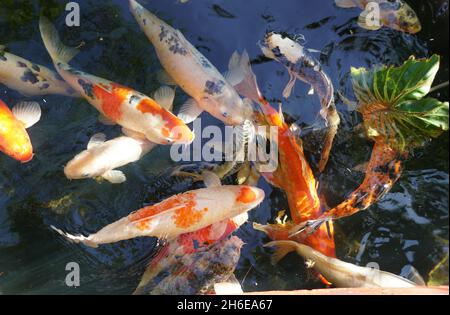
(362, 22)
(244, 173)
(164, 78)
(289, 86)
(164, 96)
(57, 50)
(189, 111)
(105, 120)
(282, 248)
(352, 105)
(133, 134)
(295, 130)
(96, 140)
(311, 91)
(76, 238)
(345, 3)
(234, 75)
(28, 113)
(312, 50)
(115, 176)
(414, 276)
(248, 87)
(210, 179)
(245, 133)
(229, 287)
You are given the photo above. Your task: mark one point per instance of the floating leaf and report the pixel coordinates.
(391, 100)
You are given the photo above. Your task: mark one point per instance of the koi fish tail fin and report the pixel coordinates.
(57, 50)
(76, 238)
(282, 248)
(241, 76)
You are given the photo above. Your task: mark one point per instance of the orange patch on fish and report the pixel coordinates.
(246, 195)
(111, 101)
(187, 215)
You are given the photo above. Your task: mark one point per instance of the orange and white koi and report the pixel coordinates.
(293, 174)
(189, 243)
(29, 78)
(14, 139)
(302, 66)
(188, 68)
(183, 213)
(119, 104)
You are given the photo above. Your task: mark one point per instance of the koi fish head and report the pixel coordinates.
(14, 139)
(281, 48)
(87, 164)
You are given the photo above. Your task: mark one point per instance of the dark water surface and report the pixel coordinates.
(409, 227)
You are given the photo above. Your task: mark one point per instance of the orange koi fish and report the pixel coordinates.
(189, 243)
(132, 110)
(293, 174)
(14, 139)
(179, 214)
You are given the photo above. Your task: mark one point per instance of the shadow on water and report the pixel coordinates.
(408, 227)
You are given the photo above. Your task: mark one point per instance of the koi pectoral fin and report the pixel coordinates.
(290, 86)
(29, 113)
(190, 111)
(115, 177)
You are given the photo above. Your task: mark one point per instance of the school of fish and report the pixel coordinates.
(199, 251)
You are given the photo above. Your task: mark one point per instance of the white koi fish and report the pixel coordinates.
(29, 78)
(188, 68)
(119, 104)
(338, 272)
(183, 213)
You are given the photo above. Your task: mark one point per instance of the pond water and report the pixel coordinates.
(408, 227)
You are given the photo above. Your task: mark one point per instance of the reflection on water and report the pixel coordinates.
(406, 228)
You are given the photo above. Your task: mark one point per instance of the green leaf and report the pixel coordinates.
(391, 100)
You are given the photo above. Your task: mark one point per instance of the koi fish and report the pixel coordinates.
(338, 272)
(293, 174)
(29, 78)
(395, 14)
(187, 244)
(199, 272)
(103, 157)
(179, 214)
(14, 139)
(118, 104)
(188, 68)
(302, 66)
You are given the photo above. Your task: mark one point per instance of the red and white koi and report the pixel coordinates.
(188, 68)
(183, 213)
(119, 104)
(29, 78)
(14, 139)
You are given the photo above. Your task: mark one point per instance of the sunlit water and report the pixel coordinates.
(408, 227)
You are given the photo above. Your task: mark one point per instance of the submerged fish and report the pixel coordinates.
(302, 66)
(338, 272)
(121, 105)
(396, 14)
(29, 78)
(199, 272)
(103, 157)
(179, 214)
(189, 69)
(187, 244)
(14, 139)
(293, 175)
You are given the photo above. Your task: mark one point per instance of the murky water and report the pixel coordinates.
(409, 227)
